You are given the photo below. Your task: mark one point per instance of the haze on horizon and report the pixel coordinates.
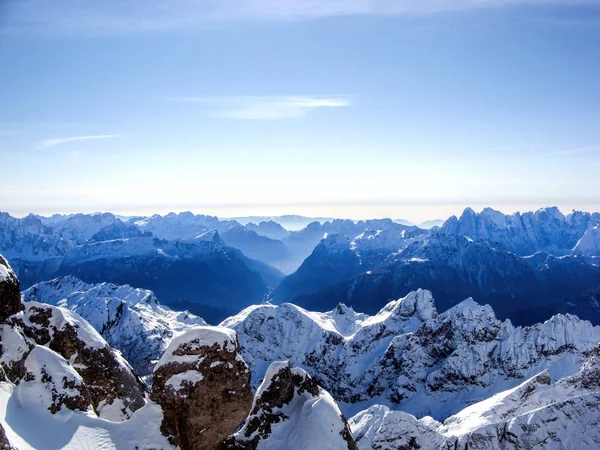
(359, 109)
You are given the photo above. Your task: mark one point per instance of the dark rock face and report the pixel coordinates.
(203, 387)
(4, 444)
(273, 406)
(10, 291)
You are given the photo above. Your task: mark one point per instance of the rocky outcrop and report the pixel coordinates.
(203, 386)
(10, 292)
(4, 443)
(115, 391)
(57, 348)
(290, 410)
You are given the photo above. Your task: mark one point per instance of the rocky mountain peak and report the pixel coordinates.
(290, 409)
(10, 292)
(203, 387)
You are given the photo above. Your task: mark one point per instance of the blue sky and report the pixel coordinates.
(358, 109)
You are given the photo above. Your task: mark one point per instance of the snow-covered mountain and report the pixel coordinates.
(118, 230)
(415, 378)
(54, 357)
(337, 257)
(538, 413)
(366, 275)
(80, 228)
(29, 239)
(291, 222)
(185, 225)
(269, 229)
(407, 355)
(62, 386)
(546, 230)
(589, 244)
(131, 320)
(202, 274)
(429, 224)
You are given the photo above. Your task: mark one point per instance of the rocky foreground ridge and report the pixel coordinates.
(56, 368)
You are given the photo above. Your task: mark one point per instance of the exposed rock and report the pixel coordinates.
(290, 410)
(4, 443)
(10, 292)
(203, 386)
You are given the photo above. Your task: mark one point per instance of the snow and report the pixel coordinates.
(309, 421)
(5, 273)
(589, 244)
(61, 317)
(536, 411)
(196, 338)
(180, 380)
(130, 319)
(14, 345)
(37, 393)
(409, 357)
(80, 430)
(381, 428)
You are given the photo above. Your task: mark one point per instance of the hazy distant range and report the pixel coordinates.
(294, 222)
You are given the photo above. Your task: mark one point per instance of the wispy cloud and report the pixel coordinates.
(263, 107)
(8, 132)
(126, 16)
(58, 141)
(575, 151)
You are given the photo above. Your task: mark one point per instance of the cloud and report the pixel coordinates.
(8, 132)
(263, 107)
(574, 151)
(126, 16)
(58, 141)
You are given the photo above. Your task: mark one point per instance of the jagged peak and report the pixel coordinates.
(468, 212)
(469, 309)
(210, 236)
(337, 240)
(419, 303)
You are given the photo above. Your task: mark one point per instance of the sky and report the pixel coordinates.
(366, 108)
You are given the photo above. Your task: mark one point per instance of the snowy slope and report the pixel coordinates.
(540, 413)
(546, 230)
(589, 244)
(73, 430)
(409, 356)
(130, 319)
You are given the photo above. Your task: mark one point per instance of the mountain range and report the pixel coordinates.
(276, 377)
(528, 266)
